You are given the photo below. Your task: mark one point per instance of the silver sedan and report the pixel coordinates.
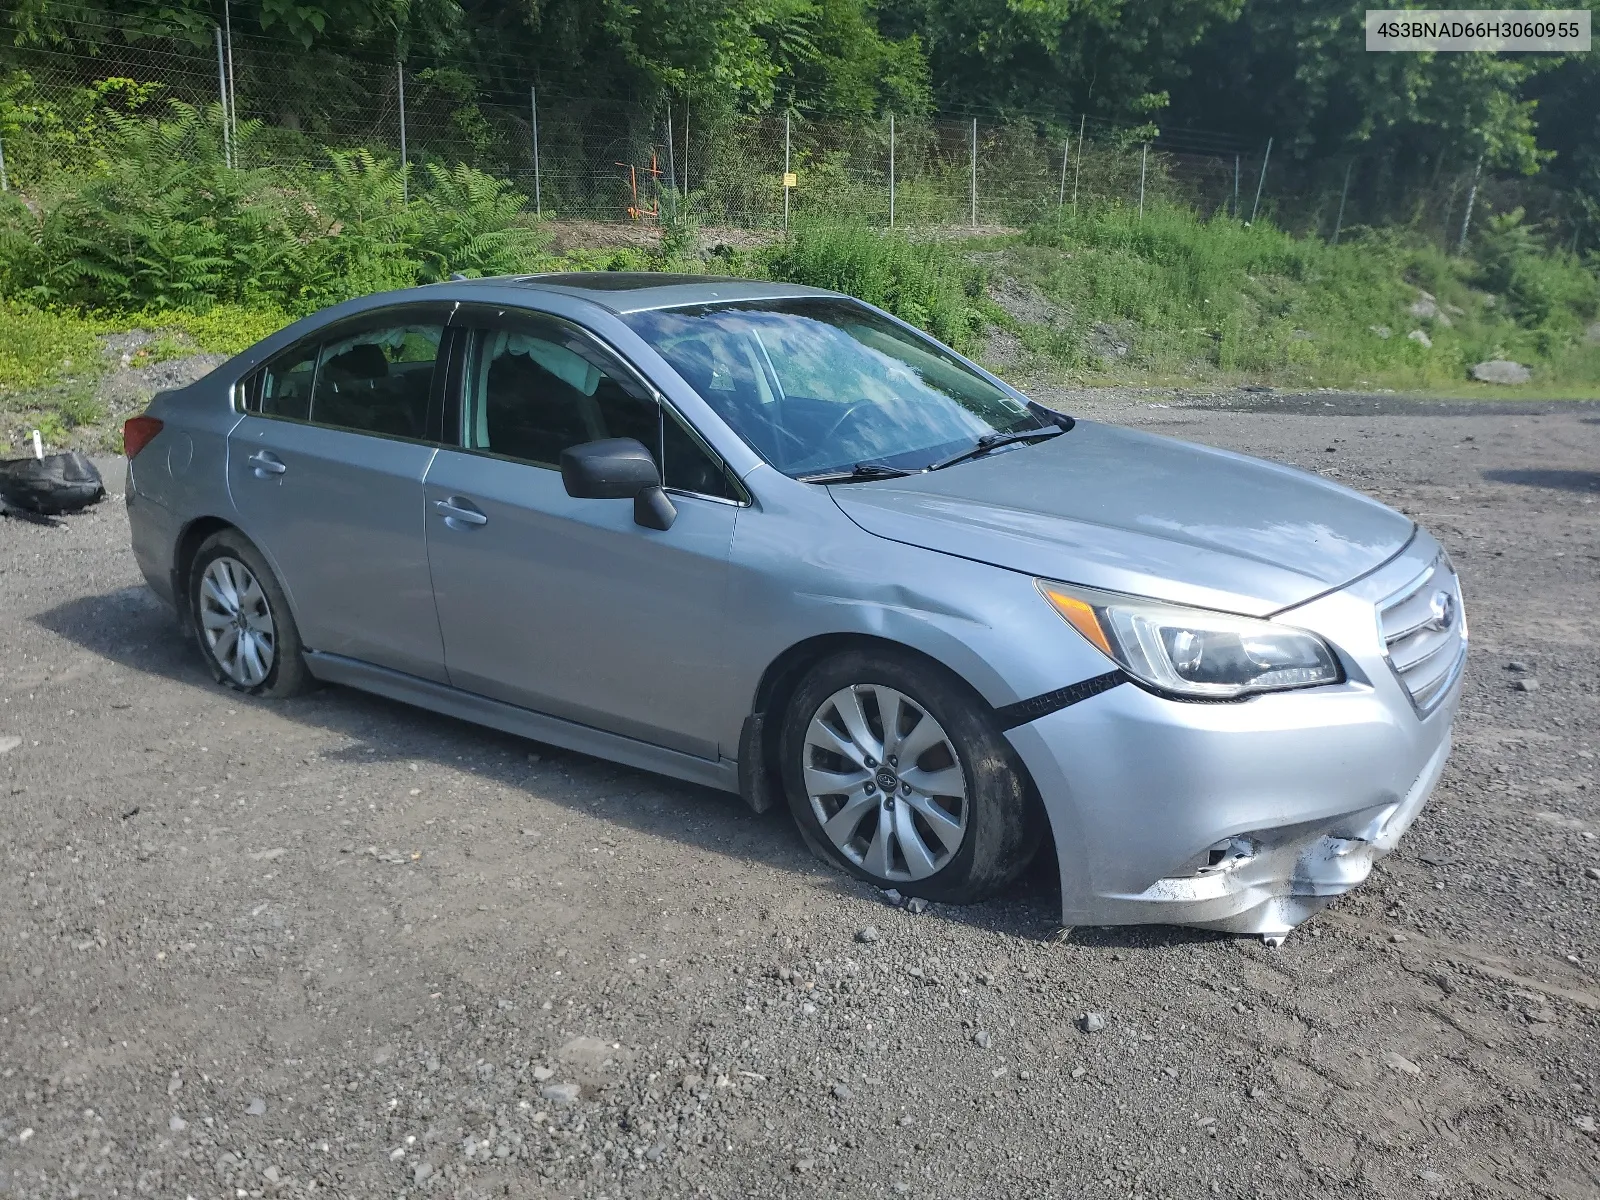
(772, 540)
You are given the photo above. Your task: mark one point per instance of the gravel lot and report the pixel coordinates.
(339, 945)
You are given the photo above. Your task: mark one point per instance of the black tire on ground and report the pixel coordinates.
(1004, 818)
(51, 486)
(287, 675)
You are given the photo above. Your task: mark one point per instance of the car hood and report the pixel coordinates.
(1132, 512)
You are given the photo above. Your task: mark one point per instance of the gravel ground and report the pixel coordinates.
(339, 945)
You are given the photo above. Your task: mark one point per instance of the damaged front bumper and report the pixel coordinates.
(1248, 817)
(1269, 883)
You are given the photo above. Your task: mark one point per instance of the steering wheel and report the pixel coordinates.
(794, 439)
(844, 417)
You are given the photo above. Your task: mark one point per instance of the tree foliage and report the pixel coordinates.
(1300, 70)
(1296, 70)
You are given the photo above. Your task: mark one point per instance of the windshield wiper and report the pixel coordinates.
(863, 470)
(993, 441)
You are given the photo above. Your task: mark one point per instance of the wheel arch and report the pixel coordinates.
(760, 781)
(190, 539)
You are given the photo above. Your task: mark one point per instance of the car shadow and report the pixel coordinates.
(133, 629)
(1547, 477)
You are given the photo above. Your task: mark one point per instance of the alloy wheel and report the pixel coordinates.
(237, 622)
(884, 782)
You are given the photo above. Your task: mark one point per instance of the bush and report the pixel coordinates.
(1541, 288)
(160, 221)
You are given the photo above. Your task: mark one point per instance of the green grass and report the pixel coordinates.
(39, 349)
(51, 360)
(1220, 301)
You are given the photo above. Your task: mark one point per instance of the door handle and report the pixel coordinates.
(266, 464)
(458, 511)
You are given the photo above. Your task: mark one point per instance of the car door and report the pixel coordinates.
(325, 470)
(562, 605)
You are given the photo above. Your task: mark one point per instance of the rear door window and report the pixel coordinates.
(378, 381)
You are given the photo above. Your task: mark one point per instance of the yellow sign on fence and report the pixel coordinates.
(790, 179)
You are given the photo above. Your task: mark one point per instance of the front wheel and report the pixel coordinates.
(898, 774)
(242, 621)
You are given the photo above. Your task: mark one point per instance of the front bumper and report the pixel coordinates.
(1247, 817)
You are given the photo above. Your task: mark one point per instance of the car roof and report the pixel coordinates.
(641, 291)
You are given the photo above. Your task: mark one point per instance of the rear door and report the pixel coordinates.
(326, 470)
(567, 606)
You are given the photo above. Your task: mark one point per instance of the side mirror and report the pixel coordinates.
(618, 469)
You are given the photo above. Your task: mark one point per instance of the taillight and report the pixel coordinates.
(137, 432)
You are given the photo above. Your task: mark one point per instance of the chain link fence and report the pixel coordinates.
(610, 160)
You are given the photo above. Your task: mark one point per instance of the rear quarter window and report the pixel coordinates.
(283, 388)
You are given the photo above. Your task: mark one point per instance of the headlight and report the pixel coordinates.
(1191, 651)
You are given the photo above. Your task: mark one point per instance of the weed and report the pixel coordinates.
(929, 284)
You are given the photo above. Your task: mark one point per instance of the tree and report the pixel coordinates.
(1116, 58)
(1299, 71)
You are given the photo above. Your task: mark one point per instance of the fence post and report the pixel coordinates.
(1144, 161)
(891, 170)
(974, 172)
(672, 153)
(222, 90)
(1262, 182)
(1338, 222)
(405, 182)
(686, 145)
(538, 192)
(1077, 171)
(233, 93)
(786, 116)
(5, 184)
(1061, 199)
(1235, 187)
(1472, 198)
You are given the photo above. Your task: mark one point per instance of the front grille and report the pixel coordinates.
(1425, 634)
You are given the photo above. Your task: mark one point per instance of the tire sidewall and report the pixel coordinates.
(994, 848)
(286, 641)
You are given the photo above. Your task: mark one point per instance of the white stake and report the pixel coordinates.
(38, 445)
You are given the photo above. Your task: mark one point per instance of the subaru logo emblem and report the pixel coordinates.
(1442, 610)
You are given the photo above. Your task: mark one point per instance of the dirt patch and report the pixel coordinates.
(143, 363)
(1026, 304)
(568, 235)
(86, 413)
(254, 945)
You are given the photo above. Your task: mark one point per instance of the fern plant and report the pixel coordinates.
(158, 220)
(472, 224)
(359, 235)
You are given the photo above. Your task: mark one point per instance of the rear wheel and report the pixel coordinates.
(242, 621)
(898, 774)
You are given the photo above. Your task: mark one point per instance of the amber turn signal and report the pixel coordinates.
(1079, 615)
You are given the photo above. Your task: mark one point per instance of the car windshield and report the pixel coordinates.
(821, 386)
